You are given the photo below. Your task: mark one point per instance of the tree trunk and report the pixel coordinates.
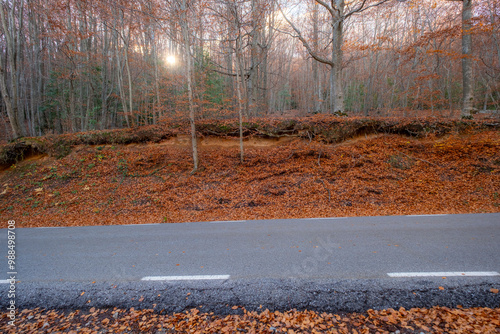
(468, 97)
(253, 71)
(104, 78)
(11, 99)
(338, 27)
(315, 64)
(187, 55)
(238, 83)
(11, 113)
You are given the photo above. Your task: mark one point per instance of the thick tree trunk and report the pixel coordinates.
(12, 48)
(315, 64)
(468, 97)
(11, 113)
(187, 56)
(338, 27)
(253, 71)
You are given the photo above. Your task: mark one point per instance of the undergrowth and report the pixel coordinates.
(326, 129)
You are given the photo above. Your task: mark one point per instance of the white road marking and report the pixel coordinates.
(185, 278)
(445, 274)
(323, 218)
(4, 281)
(427, 215)
(52, 227)
(140, 224)
(227, 221)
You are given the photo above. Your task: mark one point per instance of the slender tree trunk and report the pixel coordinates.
(238, 87)
(129, 77)
(157, 106)
(126, 41)
(104, 78)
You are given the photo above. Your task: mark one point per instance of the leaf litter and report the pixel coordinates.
(421, 320)
(297, 178)
(152, 183)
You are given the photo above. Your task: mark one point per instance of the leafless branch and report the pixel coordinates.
(305, 43)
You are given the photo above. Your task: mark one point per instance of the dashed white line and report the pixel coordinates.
(140, 224)
(323, 218)
(227, 221)
(52, 227)
(445, 274)
(427, 215)
(185, 278)
(4, 281)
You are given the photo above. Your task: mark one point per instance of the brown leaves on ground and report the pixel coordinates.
(433, 320)
(152, 183)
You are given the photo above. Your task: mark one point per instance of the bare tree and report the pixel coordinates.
(338, 14)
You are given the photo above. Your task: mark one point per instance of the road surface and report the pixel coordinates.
(328, 264)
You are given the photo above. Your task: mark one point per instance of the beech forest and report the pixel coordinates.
(161, 112)
(73, 65)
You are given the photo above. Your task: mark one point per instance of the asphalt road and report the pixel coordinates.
(334, 264)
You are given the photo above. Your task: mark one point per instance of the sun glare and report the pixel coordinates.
(171, 60)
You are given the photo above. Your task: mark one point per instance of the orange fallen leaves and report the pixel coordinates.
(151, 183)
(435, 320)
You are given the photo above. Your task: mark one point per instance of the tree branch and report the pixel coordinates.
(304, 42)
(362, 8)
(330, 9)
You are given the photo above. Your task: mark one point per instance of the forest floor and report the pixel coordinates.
(282, 177)
(293, 174)
(433, 320)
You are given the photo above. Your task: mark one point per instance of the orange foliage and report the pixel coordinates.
(433, 320)
(294, 178)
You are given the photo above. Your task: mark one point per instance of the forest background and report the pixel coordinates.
(70, 66)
